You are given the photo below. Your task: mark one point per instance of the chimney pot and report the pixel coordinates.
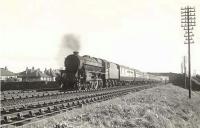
(76, 52)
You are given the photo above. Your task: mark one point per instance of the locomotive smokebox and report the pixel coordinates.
(72, 62)
(76, 53)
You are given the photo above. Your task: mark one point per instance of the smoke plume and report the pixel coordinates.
(72, 42)
(69, 44)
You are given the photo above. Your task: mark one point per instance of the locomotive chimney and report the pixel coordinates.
(75, 53)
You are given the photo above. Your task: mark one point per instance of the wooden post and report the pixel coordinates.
(188, 21)
(185, 76)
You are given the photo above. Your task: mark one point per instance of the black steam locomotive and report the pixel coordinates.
(85, 72)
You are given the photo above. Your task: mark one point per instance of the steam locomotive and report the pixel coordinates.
(85, 72)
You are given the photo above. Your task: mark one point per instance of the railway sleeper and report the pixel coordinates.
(66, 100)
(102, 97)
(80, 98)
(49, 109)
(77, 102)
(40, 103)
(66, 105)
(54, 100)
(4, 111)
(2, 99)
(45, 94)
(6, 119)
(22, 97)
(7, 98)
(40, 95)
(98, 98)
(69, 104)
(48, 102)
(74, 103)
(63, 106)
(15, 97)
(20, 107)
(57, 101)
(62, 93)
(41, 111)
(10, 108)
(87, 101)
(32, 113)
(63, 100)
(94, 99)
(83, 101)
(84, 97)
(91, 100)
(33, 105)
(77, 98)
(56, 107)
(20, 116)
(29, 96)
(34, 95)
(16, 108)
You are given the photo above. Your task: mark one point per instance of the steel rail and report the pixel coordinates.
(28, 113)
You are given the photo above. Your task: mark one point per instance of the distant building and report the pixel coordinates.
(51, 73)
(34, 75)
(6, 75)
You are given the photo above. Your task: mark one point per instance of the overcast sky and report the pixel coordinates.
(144, 34)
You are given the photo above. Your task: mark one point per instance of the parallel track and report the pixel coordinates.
(20, 114)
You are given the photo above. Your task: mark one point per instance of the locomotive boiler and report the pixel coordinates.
(82, 72)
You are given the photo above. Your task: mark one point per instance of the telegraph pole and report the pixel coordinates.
(184, 70)
(187, 22)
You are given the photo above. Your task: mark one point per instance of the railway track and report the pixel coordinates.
(14, 100)
(23, 110)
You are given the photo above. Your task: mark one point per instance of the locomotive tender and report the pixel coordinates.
(85, 72)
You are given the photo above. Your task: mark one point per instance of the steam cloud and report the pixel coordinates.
(69, 44)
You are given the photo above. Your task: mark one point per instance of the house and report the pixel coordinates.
(33, 75)
(51, 73)
(6, 75)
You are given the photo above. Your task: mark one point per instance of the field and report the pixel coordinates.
(166, 106)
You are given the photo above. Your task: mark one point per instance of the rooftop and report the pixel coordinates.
(6, 72)
(33, 73)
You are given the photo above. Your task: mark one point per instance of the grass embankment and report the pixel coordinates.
(166, 106)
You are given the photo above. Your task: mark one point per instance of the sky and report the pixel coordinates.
(145, 34)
